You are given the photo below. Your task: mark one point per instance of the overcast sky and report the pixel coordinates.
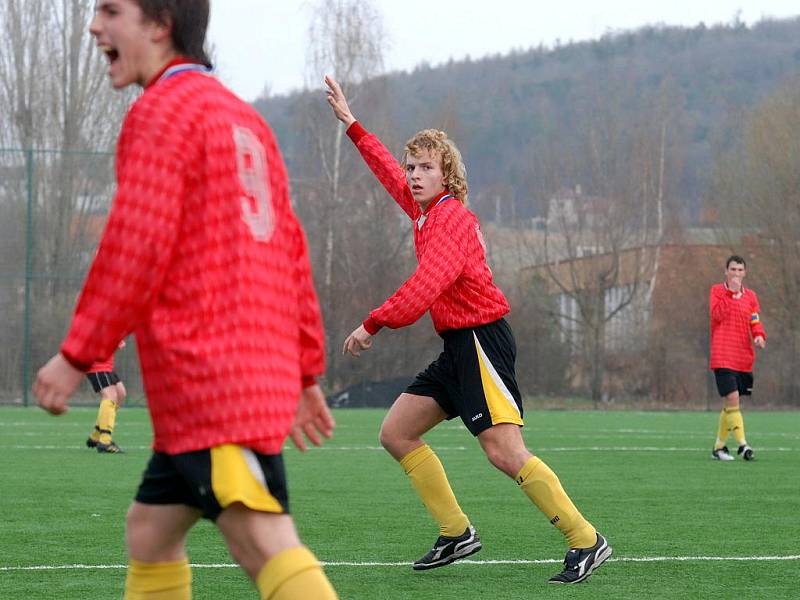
(263, 42)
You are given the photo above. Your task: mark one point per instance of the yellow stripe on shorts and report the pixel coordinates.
(502, 407)
(236, 476)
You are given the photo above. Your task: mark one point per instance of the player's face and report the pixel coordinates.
(735, 271)
(424, 176)
(129, 42)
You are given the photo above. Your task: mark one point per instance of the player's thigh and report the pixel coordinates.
(411, 416)
(157, 532)
(254, 537)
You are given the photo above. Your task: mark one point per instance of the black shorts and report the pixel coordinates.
(731, 381)
(102, 379)
(474, 377)
(213, 479)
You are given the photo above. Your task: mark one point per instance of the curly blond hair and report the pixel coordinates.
(453, 169)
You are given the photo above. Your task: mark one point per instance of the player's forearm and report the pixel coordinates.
(384, 166)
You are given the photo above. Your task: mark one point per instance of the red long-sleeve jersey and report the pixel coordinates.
(102, 366)
(205, 261)
(734, 324)
(452, 280)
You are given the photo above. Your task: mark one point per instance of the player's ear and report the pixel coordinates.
(162, 27)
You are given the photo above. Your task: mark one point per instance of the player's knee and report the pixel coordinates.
(496, 458)
(502, 459)
(146, 540)
(122, 393)
(387, 436)
(247, 557)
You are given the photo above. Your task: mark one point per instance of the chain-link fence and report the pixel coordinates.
(53, 207)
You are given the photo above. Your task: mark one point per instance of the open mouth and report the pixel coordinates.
(111, 53)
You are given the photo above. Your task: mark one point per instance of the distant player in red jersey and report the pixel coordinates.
(107, 383)
(211, 273)
(735, 328)
(474, 376)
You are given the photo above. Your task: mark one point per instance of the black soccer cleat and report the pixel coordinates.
(110, 448)
(449, 549)
(90, 441)
(746, 452)
(580, 562)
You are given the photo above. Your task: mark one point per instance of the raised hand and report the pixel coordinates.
(338, 102)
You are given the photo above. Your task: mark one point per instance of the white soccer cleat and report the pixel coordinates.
(721, 454)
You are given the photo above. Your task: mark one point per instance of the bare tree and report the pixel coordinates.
(61, 113)
(343, 211)
(601, 249)
(347, 41)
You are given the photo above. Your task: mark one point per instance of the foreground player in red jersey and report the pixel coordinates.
(107, 383)
(735, 328)
(211, 273)
(474, 377)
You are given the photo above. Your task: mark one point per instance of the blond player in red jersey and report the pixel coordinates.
(211, 274)
(106, 382)
(474, 376)
(735, 328)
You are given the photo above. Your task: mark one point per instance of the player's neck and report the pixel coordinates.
(160, 61)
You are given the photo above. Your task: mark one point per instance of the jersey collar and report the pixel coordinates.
(177, 65)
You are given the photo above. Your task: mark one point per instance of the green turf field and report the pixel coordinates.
(682, 525)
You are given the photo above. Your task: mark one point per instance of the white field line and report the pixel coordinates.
(545, 561)
(538, 449)
(449, 428)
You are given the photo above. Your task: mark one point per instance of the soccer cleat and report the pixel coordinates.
(746, 452)
(580, 562)
(721, 454)
(90, 443)
(448, 549)
(110, 448)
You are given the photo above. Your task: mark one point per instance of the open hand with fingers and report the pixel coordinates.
(338, 102)
(357, 341)
(313, 419)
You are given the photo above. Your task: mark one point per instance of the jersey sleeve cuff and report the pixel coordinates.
(308, 381)
(355, 132)
(83, 367)
(372, 326)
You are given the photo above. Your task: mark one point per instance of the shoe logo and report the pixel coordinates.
(582, 565)
(464, 543)
(437, 551)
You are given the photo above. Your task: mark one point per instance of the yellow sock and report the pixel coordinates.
(158, 581)
(427, 476)
(544, 489)
(294, 574)
(95, 436)
(722, 430)
(736, 425)
(106, 418)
